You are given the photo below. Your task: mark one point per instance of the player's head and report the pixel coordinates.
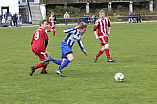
(102, 14)
(43, 23)
(52, 14)
(82, 27)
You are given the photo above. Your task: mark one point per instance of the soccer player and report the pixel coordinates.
(39, 43)
(52, 23)
(104, 27)
(75, 34)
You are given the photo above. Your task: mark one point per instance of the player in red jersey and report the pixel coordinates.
(104, 27)
(39, 43)
(52, 23)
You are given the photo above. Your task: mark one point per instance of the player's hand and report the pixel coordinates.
(108, 33)
(35, 55)
(97, 37)
(84, 51)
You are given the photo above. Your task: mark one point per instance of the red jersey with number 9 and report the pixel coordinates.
(39, 37)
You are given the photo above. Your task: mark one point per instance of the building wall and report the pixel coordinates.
(11, 4)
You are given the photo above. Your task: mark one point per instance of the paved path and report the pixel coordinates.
(30, 25)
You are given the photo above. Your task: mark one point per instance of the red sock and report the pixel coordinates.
(38, 66)
(54, 33)
(107, 52)
(100, 52)
(44, 68)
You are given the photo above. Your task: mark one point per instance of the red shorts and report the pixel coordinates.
(42, 55)
(52, 27)
(104, 40)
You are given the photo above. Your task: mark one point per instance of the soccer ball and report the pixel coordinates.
(119, 77)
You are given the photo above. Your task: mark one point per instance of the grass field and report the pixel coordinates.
(133, 46)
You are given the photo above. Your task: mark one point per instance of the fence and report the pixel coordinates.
(86, 1)
(146, 18)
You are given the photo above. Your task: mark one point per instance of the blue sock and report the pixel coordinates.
(51, 59)
(57, 61)
(65, 63)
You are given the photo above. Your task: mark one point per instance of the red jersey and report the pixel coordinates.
(51, 20)
(102, 26)
(39, 37)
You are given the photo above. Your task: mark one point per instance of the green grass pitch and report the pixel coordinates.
(133, 46)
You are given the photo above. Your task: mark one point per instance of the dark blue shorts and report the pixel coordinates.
(65, 49)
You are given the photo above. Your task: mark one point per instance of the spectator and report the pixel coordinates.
(14, 19)
(19, 20)
(93, 19)
(84, 19)
(138, 17)
(88, 19)
(130, 17)
(1, 17)
(66, 17)
(6, 19)
(134, 18)
(10, 19)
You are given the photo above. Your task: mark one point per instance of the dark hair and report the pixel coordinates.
(42, 21)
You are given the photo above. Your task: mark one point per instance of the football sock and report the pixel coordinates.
(53, 33)
(39, 66)
(44, 68)
(51, 59)
(100, 52)
(59, 62)
(107, 52)
(65, 63)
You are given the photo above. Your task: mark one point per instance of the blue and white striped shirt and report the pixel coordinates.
(73, 37)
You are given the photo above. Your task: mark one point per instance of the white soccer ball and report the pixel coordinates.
(119, 77)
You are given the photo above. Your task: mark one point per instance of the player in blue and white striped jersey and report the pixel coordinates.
(75, 34)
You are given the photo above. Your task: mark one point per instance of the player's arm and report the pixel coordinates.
(69, 30)
(81, 47)
(109, 27)
(32, 40)
(95, 28)
(46, 43)
(49, 30)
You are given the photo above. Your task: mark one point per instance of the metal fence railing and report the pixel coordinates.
(86, 1)
(147, 18)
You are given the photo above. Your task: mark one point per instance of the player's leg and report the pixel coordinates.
(42, 56)
(64, 64)
(67, 57)
(54, 31)
(109, 59)
(44, 68)
(59, 62)
(101, 51)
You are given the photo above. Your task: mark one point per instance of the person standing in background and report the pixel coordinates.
(66, 17)
(6, 19)
(19, 19)
(10, 19)
(1, 17)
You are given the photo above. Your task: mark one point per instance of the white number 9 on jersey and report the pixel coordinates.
(36, 35)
